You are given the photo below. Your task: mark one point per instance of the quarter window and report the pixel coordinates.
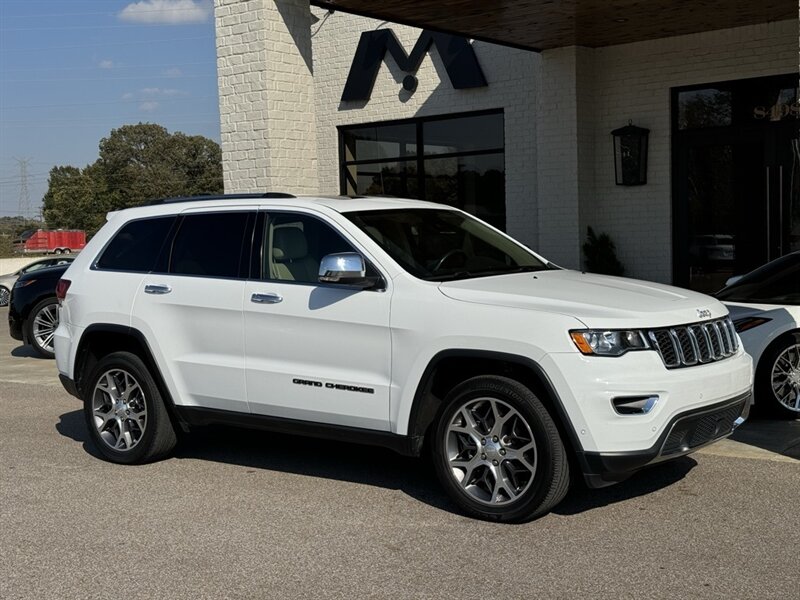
(136, 246)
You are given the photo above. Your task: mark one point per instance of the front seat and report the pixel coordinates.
(290, 259)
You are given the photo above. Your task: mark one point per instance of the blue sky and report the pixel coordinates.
(73, 70)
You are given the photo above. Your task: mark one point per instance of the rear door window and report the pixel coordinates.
(213, 245)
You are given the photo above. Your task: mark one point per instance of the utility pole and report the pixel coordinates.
(24, 194)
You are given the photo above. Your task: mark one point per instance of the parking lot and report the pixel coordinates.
(250, 515)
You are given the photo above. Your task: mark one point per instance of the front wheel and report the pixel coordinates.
(5, 295)
(497, 451)
(778, 377)
(125, 413)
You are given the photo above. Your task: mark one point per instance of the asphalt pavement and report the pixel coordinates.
(237, 514)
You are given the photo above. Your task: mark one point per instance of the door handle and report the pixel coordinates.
(157, 288)
(266, 298)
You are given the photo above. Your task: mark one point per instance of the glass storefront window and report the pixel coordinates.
(454, 160)
(708, 107)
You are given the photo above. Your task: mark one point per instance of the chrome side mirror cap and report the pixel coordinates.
(343, 267)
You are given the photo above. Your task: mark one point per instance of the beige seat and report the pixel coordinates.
(290, 259)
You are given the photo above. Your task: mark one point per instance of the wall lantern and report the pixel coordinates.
(630, 154)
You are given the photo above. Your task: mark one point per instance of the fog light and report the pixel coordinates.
(634, 405)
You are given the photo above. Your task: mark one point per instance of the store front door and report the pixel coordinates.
(736, 178)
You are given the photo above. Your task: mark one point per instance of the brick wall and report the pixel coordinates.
(266, 95)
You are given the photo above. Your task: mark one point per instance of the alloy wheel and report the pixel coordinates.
(119, 410)
(491, 451)
(45, 323)
(5, 295)
(785, 377)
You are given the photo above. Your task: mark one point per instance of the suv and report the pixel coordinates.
(390, 322)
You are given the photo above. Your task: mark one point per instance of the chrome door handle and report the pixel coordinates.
(157, 288)
(266, 298)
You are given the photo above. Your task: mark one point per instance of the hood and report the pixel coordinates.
(599, 301)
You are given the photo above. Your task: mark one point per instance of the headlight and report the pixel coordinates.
(608, 343)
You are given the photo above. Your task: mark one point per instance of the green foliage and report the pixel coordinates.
(10, 228)
(601, 254)
(136, 164)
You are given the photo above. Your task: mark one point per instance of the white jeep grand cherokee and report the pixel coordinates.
(390, 322)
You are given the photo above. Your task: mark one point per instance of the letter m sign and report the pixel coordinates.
(456, 53)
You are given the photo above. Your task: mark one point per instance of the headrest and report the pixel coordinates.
(289, 243)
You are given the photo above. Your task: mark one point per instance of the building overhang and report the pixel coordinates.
(544, 24)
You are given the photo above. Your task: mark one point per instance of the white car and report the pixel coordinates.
(765, 308)
(390, 322)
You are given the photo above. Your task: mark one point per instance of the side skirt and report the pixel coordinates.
(199, 417)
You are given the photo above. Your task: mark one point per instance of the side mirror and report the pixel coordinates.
(344, 267)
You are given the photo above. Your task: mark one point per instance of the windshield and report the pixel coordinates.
(777, 282)
(442, 245)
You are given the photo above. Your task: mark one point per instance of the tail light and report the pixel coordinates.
(61, 289)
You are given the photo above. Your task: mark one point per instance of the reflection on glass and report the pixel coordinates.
(475, 184)
(704, 108)
(712, 245)
(792, 183)
(388, 179)
(380, 142)
(466, 134)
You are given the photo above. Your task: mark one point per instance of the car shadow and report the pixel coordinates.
(25, 351)
(651, 479)
(365, 465)
(781, 436)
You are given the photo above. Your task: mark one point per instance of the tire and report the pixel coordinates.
(41, 327)
(125, 413)
(778, 378)
(57, 251)
(5, 295)
(494, 425)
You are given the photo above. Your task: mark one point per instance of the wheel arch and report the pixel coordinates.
(450, 367)
(101, 339)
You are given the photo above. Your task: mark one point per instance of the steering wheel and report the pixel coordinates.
(447, 256)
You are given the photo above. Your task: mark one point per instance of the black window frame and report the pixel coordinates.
(348, 187)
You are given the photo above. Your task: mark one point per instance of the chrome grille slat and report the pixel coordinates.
(695, 343)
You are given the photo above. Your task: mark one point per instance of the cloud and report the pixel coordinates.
(154, 91)
(127, 96)
(173, 72)
(167, 12)
(148, 106)
(106, 64)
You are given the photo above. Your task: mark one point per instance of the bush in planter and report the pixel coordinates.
(600, 254)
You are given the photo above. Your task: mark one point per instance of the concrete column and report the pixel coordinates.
(565, 116)
(266, 95)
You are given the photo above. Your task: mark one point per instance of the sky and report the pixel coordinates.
(73, 70)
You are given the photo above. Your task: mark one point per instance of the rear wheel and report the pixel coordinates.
(42, 324)
(5, 295)
(125, 413)
(497, 451)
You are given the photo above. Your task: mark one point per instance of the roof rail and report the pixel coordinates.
(270, 195)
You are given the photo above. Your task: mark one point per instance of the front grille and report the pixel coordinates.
(691, 432)
(696, 343)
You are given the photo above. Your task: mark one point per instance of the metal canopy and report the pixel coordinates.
(544, 24)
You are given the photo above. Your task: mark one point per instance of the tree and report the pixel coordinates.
(136, 164)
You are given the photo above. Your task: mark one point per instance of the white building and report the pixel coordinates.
(532, 150)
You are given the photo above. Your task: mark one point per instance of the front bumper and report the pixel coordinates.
(685, 433)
